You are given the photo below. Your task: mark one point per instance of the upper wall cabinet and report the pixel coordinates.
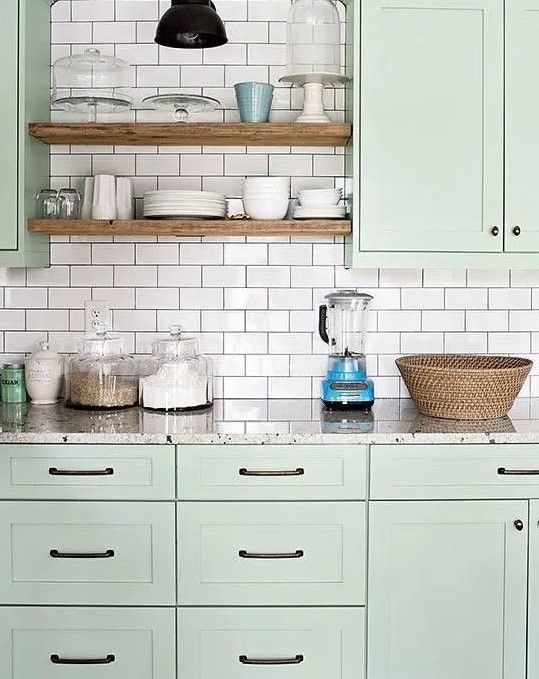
(25, 96)
(430, 109)
(522, 126)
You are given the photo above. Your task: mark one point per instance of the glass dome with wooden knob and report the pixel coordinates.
(314, 54)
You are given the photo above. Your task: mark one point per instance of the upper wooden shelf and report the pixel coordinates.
(190, 227)
(193, 134)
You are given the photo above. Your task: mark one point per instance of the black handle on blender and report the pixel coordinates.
(322, 320)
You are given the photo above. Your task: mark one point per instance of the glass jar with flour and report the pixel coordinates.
(182, 378)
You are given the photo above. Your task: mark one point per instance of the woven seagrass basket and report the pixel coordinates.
(463, 386)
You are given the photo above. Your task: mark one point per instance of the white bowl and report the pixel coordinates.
(267, 183)
(267, 195)
(320, 198)
(266, 208)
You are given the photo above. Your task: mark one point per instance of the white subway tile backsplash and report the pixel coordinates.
(509, 298)
(157, 298)
(223, 276)
(470, 298)
(139, 276)
(223, 321)
(253, 301)
(25, 298)
(157, 253)
(282, 298)
(47, 319)
(246, 298)
(92, 276)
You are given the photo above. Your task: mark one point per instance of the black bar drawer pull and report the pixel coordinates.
(502, 471)
(245, 660)
(54, 471)
(269, 555)
(82, 555)
(272, 472)
(57, 660)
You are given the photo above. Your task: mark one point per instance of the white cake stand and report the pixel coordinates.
(313, 87)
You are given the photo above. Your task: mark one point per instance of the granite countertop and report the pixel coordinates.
(262, 422)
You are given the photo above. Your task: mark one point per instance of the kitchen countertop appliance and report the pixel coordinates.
(342, 325)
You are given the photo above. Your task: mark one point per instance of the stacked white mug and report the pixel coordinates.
(107, 197)
(266, 197)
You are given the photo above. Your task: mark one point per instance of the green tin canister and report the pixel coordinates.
(13, 383)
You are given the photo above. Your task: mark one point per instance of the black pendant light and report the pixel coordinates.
(191, 24)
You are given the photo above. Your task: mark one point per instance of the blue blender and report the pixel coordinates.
(342, 325)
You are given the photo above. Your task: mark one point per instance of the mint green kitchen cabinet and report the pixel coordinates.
(46, 643)
(521, 115)
(447, 590)
(431, 125)
(292, 643)
(533, 607)
(87, 553)
(445, 107)
(25, 96)
(274, 553)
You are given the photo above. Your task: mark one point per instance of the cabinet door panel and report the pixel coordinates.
(325, 642)
(87, 553)
(432, 125)
(137, 643)
(533, 606)
(522, 125)
(271, 554)
(9, 28)
(447, 590)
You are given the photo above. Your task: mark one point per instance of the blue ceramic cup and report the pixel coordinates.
(254, 101)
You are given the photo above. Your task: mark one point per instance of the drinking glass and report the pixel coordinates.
(69, 204)
(47, 204)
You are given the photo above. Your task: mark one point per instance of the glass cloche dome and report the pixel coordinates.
(313, 38)
(91, 82)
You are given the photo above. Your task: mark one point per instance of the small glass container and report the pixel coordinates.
(182, 379)
(91, 82)
(13, 383)
(102, 376)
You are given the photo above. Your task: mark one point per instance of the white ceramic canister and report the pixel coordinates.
(44, 374)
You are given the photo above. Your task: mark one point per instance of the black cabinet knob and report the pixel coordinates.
(495, 231)
(518, 524)
(516, 231)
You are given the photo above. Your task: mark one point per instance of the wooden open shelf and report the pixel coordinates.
(193, 134)
(190, 227)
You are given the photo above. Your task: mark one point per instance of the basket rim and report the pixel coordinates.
(405, 362)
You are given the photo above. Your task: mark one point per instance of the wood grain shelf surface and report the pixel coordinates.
(190, 227)
(193, 134)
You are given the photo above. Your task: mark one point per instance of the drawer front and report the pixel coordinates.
(272, 472)
(442, 472)
(87, 472)
(291, 642)
(43, 643)
(87, 553)
(279, 553)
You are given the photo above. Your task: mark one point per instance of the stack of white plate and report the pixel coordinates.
(319, 204)
(184, 205)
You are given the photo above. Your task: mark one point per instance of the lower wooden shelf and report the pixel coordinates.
(190, 227)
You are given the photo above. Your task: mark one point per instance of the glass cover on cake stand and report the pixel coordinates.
(91, 83)
(182, 105)
(314, 54)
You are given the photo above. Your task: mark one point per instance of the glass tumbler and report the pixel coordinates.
(69, 204)
(47, 204)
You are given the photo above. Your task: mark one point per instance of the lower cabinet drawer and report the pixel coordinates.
(86, 472)
(83, 643)
(95, 553)
(260, 643)
(272, 553)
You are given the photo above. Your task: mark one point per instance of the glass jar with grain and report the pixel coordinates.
(102, 376)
